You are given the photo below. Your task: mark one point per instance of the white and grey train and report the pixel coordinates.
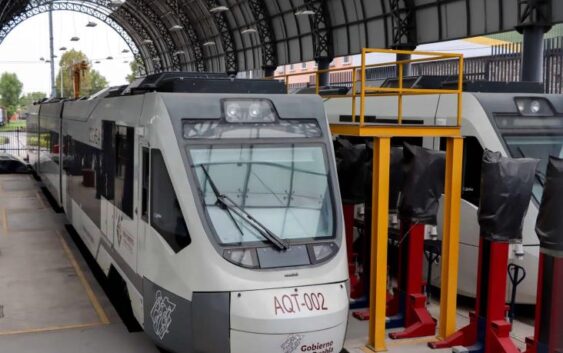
(516, 124)
(215, 200)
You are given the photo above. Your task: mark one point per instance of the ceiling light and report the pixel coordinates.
(218, 9)
(91, 24)
(74, 39)
(147, 41)
(47, 61)
(176, 28)
(209, 44)
(179, 52)
(117, 2)
(42, 58)
(62, 48)
(304, 12)
(156, 59)
(109, 58)
(97, 62)
(125, 62)
(249, 30)
(125, 51)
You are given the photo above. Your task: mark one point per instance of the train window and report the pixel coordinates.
(472, 156)
(145, 184)
(166, 216)
(124, 151)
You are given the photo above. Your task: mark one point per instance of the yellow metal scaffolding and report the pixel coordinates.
(382, 134)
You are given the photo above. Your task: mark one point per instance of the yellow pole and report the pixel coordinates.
(450, 244)
(400, 98)
(363, 89)
(379, 238)
(353, 95)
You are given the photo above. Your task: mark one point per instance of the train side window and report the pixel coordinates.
(145, 184)
(165, 213)
(124, 151)
(472, 156)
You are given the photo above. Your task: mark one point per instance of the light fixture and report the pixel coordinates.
(156, 59)
(109, 58)
(42, 59)
(125, 62)
(249, 30)
(117, 2)
(125, 51)
(179, 52)
(218, 9)
(91, 24)
(97, 62)
(209, 43)
(304, 12)
(147, 41)
(62, 48)
(74, 39)
(47, 61)
(176, 28)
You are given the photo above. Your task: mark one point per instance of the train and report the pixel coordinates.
(515, 124)
(213, 201)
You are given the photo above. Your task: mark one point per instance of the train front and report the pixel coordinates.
(263, 176)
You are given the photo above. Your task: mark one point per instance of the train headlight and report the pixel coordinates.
(249, 111)
(528, 106)
(242, 257)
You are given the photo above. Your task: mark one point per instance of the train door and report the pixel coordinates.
(143, 192)
(125, 198)
(108, 171)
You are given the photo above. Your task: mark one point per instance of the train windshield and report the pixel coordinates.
(285, 189)
(540, 147)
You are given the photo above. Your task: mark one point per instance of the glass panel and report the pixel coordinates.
(284, 188)
(125, 145)
(207, 129)
(540, 147)
(166, 215)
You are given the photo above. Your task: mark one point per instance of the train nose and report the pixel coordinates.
(304, 319)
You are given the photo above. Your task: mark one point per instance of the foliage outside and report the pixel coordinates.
(135, 72)
(91, 82)
(10, 92)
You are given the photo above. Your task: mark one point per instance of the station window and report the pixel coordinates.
(165, 213)
(303, 66)
(346, 59)
(124, 151)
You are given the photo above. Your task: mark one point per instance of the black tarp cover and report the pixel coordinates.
(351, 160)
(506, 191)
(424, 172)
(549, 226)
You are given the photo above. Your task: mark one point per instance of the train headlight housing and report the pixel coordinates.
(531, 106)
(243, 257)
(323, 251)
(249, 111)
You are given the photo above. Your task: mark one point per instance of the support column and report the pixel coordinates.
(269, 71)
(323, 77)
(406, 67)
(379, 242)
(532, 54)
(52, 52)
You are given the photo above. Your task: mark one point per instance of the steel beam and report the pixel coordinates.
(229, 49)
(267, 37)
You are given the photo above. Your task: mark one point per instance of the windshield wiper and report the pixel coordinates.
(232, 206)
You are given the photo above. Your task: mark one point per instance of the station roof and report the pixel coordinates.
(242, 35)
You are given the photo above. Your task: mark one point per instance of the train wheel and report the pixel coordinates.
(119, 297)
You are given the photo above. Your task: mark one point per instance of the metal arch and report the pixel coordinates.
(322, 32)
(152, 65)
(34, 8)
(534, 13)
(231, 61)
(266, 33)
(142, 9)
(403, 20)
(195, 41)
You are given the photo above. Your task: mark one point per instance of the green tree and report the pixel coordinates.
(31, 97)
(135, 71)
(91, 82)
(10, 90)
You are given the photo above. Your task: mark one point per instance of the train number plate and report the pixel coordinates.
(299, 302)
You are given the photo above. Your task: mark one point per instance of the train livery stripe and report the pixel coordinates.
(89, 292)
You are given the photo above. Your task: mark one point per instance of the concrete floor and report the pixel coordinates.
(51, 303)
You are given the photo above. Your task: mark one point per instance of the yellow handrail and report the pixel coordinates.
(399, 92)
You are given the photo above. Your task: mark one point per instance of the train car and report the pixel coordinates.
(516, 124)
(215, 201)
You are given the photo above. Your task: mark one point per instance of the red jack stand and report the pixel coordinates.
(488, 331)
(356, 286)
(549, 307)
(409, 302)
